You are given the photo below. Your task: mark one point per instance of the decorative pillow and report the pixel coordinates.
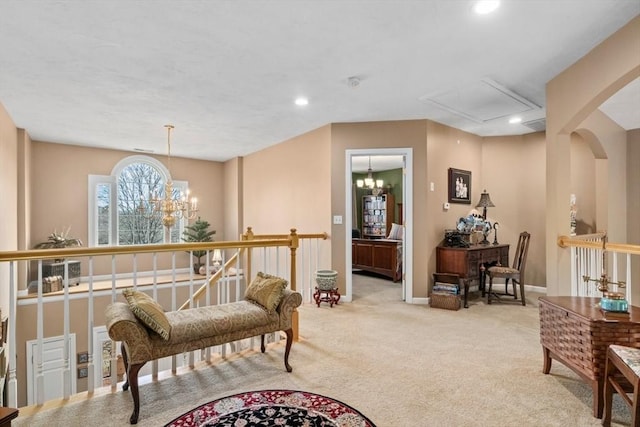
(148, 311)
(266, 291)
(397, 232)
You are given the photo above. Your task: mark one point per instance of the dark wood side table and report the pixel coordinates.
(466, 262)
(6, 415)
(574, 331)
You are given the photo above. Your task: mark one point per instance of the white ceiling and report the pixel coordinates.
(112, 73)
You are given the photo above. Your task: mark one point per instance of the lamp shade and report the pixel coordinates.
(485, 201)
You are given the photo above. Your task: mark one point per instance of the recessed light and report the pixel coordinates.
(483, 7)
(514, 120)
(302, 101)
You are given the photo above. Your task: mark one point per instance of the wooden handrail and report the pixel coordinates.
(36, 254)
(627, 248)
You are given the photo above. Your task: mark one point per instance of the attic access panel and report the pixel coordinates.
(481, 101)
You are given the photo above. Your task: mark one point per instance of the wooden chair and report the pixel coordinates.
(515, 273)
(622, 362)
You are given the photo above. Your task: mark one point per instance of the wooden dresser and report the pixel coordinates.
(466, 262)
(379, 256)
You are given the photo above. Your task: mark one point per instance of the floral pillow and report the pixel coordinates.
(266, 291)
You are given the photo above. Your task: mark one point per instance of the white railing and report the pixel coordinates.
(587, 262)
(164, 271)
(594, 259)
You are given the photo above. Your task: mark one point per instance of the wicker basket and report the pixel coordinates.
(446, 301)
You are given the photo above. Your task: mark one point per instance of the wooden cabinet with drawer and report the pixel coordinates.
(466, 262)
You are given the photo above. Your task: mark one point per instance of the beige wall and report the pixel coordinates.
(392, 134)
(231, 199)
(608, 142)
(633, 206)
(513, 170)
(583, 185)
(59, 194)
(286, 186)
(9, 197)
(446, 148)
(572, 97)
(283, 185)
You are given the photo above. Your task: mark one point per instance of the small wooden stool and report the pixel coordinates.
(623, 361)
(332, 296)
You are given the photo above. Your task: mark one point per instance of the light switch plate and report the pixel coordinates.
(337, 219)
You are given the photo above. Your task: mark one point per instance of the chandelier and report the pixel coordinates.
(169, 208)
(374, 185)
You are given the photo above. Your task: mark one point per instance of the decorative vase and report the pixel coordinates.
(326, 279)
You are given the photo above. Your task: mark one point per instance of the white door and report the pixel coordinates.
(53, 368)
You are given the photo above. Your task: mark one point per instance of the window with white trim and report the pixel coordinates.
(114, 217)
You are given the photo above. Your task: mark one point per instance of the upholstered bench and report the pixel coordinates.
(622, 361)
(148, 333)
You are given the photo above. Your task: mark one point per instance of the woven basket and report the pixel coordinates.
(446, 301)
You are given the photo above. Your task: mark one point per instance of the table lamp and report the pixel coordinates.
(484, 203)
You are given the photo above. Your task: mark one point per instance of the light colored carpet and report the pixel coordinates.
(399, 364)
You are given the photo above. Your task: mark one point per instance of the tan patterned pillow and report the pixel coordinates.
(266, 290)
(148, 311)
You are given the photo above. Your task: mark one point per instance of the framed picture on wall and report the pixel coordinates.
(459, 186)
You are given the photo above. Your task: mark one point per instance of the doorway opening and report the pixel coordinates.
(406, 212)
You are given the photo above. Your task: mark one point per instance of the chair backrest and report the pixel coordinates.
(520, 259)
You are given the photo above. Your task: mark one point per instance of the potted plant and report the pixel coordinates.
(56, 267)
(59, 240)
(198, 232)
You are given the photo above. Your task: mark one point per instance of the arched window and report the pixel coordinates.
(114, 201)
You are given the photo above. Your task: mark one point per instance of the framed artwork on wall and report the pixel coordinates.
(459, 186)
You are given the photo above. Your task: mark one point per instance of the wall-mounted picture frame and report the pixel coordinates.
(83, 358)
(459, 186)
(83, 372)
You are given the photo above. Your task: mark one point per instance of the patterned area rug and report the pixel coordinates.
(273, 408)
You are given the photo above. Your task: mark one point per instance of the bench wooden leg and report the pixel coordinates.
(262, 347)
(289, 333)
(125, 359)
(132, 378)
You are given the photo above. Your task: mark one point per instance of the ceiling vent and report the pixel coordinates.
(481, 101)
(537, 125)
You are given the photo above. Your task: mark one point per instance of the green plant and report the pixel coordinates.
(198, 232)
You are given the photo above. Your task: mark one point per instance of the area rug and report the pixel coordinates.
(273, 408)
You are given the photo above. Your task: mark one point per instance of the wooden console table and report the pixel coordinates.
(573, 331)
(466, 262)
